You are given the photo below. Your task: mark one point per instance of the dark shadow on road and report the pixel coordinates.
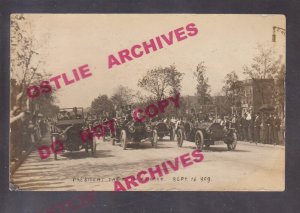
(165, 140)
(216, 149)
(138, 145)
(144, 145)
(222, 149)
(83, 154)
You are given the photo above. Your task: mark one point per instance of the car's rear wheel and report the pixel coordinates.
(232, 145)
(154, 140)
(123, 139)
(179, 138)
(199, 141)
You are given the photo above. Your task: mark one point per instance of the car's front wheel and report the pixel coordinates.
(172, 134)
(154, 140)
(179, 138)
(199, 140)
(53, 138)
(93, 149)
(232, 145)
(123, 139)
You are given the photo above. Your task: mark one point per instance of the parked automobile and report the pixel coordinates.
(130, 132)
(67, 128)
(206, 133)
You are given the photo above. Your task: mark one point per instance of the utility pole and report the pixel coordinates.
(277, 29)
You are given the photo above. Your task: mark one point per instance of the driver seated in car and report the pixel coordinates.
(225, 123)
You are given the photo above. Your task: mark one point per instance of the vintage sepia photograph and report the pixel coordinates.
(147, 102)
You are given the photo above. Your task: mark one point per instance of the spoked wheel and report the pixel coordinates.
(55, 153)
(172, 134)
(199, 141)
(93, 149)
(233, 144)
(179, 138)
(154, 139)
(123, 139)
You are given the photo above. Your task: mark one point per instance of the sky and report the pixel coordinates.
(224, 42)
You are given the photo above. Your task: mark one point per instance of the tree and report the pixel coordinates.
(122, 96)
(25, 57)
(102, 104)
(46, 104)
(25, 65)
(203, 88)
(264, 65)
(233, 89)
(162, 82)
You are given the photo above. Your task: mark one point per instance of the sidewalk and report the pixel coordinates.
(15, 165)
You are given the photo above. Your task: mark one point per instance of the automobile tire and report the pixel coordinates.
(55, 154)
(154, 140)
(172, 134)
(179, 138)
(94, 147)
(232, 145)
(123, 139)
(199, 140)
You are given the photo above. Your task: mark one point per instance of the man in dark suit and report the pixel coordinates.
(257, 123)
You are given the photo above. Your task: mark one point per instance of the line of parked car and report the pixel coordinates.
(68, 129)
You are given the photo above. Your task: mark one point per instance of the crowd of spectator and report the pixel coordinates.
(26, 130)
(264, 127)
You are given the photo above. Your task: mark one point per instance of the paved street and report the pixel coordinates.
(249, 167)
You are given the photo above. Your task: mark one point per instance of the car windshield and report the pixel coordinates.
(68, 114)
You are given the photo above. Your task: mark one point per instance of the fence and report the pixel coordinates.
(25, 133)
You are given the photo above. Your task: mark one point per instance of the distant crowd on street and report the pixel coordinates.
(259, 128)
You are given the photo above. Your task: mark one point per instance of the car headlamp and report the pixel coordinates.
(131, 129)
(207, 130)
(148, 128)
(63, 137)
